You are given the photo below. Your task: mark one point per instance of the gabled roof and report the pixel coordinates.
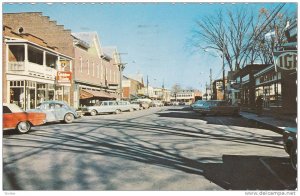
(91, 38)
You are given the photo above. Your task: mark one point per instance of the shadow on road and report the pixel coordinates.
(188, 113)
(234, 172)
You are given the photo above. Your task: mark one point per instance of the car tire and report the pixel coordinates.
(69, 118)
(293, 157)
(93, 113)
(23, 127)
(117, 111)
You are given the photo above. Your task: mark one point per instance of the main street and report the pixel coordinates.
(168, 148)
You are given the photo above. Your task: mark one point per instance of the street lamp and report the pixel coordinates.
(121, 68)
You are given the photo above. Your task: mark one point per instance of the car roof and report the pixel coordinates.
(55, 101)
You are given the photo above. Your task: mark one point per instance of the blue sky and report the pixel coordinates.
(154, 36)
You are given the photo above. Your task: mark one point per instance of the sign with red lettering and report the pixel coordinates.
(64, 77)
(285, 60)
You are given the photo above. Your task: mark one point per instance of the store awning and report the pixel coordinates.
(85, 94)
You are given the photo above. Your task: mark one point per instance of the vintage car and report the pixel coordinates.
(56, 111)
(198, 103)
(103, 107)
(217, 107)
(16, 118)
(290, 144)
(127, 106)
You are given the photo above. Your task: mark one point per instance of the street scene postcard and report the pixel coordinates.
(150, 96)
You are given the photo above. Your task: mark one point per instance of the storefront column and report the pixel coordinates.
(25, 53)
(44, 58)
(58, 67)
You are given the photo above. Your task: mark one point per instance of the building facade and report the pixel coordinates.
(96, 74)
(44, 61)
(186, 96)
(34, 71)
(43, 52)
(131, 88)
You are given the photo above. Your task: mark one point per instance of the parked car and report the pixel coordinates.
(290, 145)
(142, 104)
(157, 103)
(136, 106)
(217, 107)
(56, 111)
(127, 106)
(102, 107)
(198, 103)
(16, 118)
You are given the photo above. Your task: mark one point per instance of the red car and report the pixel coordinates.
(15, 118)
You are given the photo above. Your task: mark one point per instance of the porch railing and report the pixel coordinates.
(32, 69)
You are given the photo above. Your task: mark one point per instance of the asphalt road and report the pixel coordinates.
(169, 148)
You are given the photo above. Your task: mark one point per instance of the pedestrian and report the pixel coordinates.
(259, 105)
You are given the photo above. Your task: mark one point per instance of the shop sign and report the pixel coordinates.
(64, 77)
(245, 78)
(285, 60)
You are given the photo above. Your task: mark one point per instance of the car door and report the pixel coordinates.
(104, 107)
(48, 109)
(113, 106)
(59, 111)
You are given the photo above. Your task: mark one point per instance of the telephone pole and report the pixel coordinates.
(121, 67)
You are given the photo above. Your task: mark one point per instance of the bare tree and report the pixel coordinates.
(226, 33)
(240, 35)
(175, 89)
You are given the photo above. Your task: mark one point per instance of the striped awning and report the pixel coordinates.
(86, 94)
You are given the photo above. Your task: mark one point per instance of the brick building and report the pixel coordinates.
(96, 73)
(74, 68)
(43, 50)
(131, 87)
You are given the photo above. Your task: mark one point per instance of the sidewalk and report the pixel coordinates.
(271, 122)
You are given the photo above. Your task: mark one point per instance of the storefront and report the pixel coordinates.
(268, 85)
(28, 94)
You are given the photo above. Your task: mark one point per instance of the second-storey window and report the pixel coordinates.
(80, 61)
(88, 67)
(102, 72)
(93, 69)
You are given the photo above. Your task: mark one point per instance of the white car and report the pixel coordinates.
(103, 107)
(126, 106)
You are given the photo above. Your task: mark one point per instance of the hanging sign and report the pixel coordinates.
(286, 60)
(64, 77)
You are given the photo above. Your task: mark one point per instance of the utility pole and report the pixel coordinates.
(210, 82)
(206, 90)
(147, 86)
(121, 67)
